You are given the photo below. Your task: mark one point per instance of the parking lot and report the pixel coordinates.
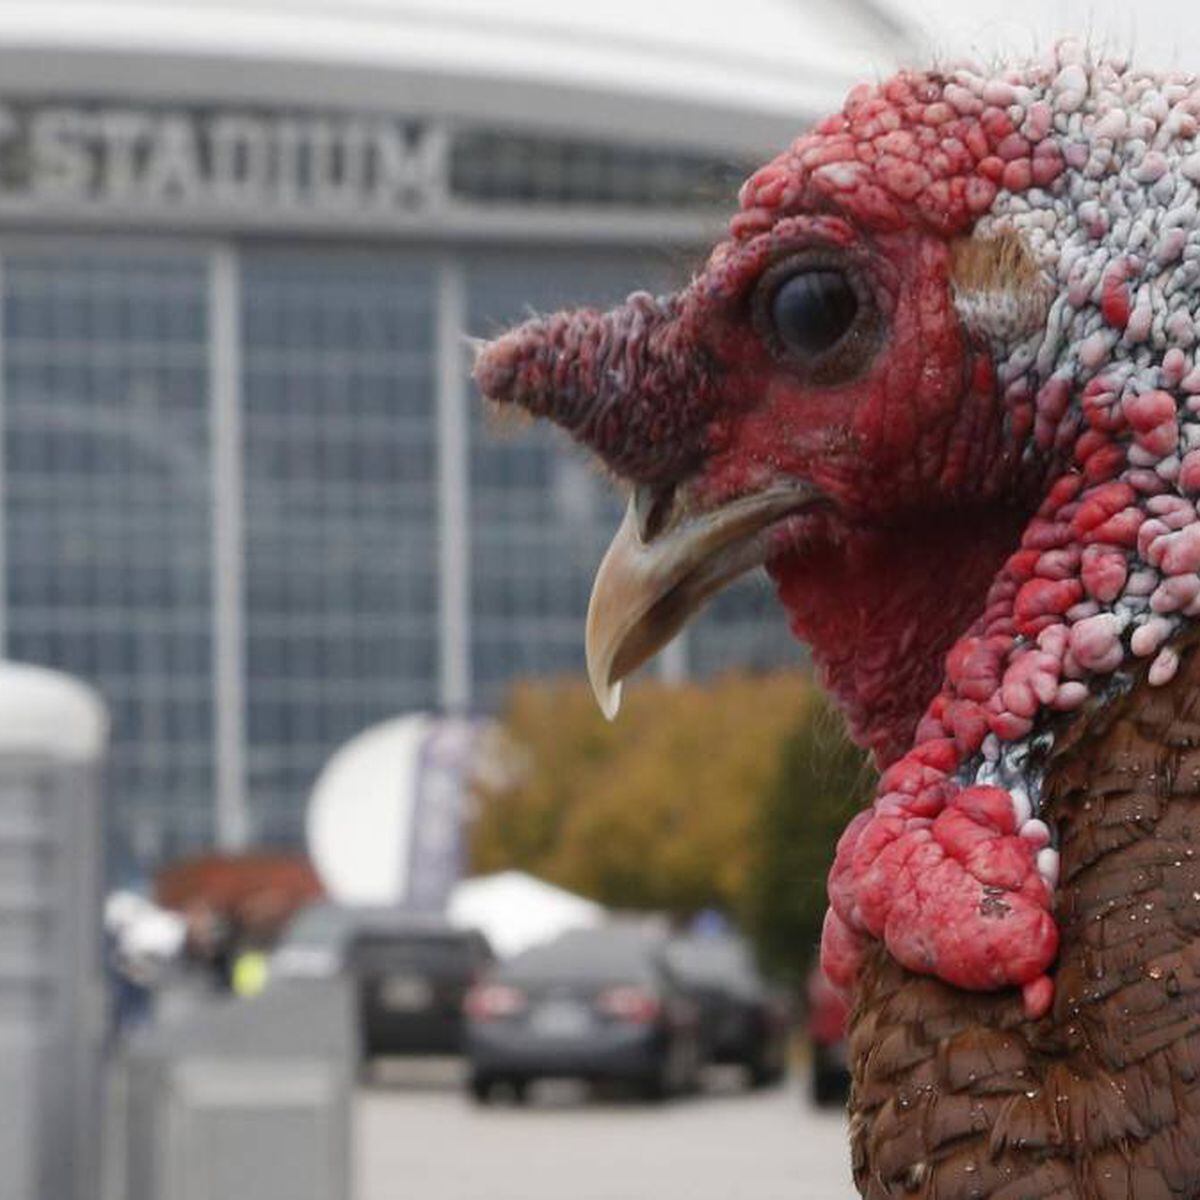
(420, 1137)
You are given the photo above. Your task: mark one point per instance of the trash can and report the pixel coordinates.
(245, 1099)
(53, 736)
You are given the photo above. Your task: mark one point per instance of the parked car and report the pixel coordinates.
(411, 972)
(597, 1004)
(743, 1019)
(827, 1012)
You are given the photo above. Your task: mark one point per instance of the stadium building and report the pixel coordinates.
(246, 489)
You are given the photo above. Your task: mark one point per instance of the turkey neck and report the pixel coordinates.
(957, 1096)
(881, 605)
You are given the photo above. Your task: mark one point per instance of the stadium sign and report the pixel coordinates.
(179, 169)
(133, 160)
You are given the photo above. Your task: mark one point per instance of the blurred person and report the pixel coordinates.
(142, 944)
(210, 941)
(250, 972)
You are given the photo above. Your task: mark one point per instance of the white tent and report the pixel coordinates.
(515, 911)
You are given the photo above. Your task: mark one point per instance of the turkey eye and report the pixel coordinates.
(812, 311)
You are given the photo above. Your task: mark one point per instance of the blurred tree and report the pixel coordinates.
(657, 810)
(822, 780)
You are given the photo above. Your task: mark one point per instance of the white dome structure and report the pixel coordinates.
(48, 714)
(714, 72)
(359, 814)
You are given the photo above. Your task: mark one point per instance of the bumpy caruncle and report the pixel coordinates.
(1096, 167)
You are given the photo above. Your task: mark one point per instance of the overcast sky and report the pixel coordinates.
(1159, 33)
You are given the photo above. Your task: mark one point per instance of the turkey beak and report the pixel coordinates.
(662, 566)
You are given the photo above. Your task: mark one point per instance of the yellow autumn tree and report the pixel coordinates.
(658, 810)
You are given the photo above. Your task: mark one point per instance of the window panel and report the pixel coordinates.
(341, 493)
(107, 460)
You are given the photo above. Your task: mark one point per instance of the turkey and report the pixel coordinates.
(941, 378)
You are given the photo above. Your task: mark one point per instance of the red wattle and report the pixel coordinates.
(957, 895)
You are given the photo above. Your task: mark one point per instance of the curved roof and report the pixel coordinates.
(47, 713)
(360, 812)
(757, 63)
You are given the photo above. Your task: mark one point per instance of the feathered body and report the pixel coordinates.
(962, 1096)
(942, 380)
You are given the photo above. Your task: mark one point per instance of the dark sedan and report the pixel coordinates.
(743, 1019)
(411, 972)
(597, 1004)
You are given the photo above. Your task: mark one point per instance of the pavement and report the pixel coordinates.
(419, 1136)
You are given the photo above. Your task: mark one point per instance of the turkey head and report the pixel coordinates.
(940, 380)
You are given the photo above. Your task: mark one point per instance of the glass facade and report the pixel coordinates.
(340, 462)
(506, 167)
(107, 499)
(108, 411)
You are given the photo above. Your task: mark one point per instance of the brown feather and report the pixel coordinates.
(999, 290)
(958, 1097)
